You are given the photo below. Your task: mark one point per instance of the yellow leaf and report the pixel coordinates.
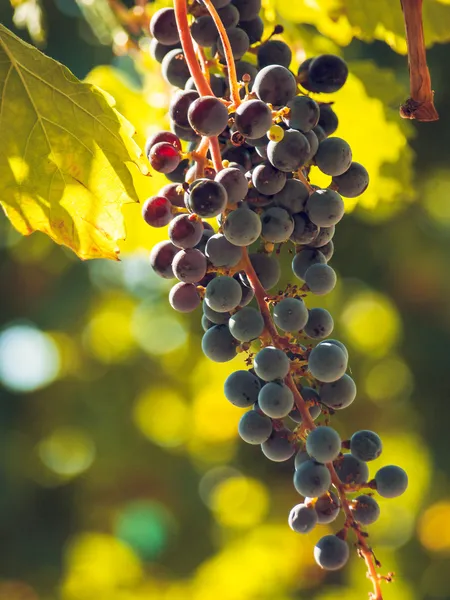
(148, 109)
(65, 153)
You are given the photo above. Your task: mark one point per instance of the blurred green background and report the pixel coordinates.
(121, 475)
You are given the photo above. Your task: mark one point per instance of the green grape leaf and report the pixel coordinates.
(66, 156)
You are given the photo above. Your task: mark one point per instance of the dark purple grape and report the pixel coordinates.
(163, 26)
(185, 231)
(189, 265)
(206, 198)
(161, 258)
(208, 116)
(253, 118)
(184, 297)
(157, 211)
(162, 136)
(179, 106)
(164, 157)
(274, 52)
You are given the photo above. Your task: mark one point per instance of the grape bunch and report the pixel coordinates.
(245, 139)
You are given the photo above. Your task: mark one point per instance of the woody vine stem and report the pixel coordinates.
(271, 334)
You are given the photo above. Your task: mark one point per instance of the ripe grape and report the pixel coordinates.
(253, 118)
(334, 156)
(290, 153)
(206, 198)
(163, 26)
(208, 116)
(174, 68)
(245, 68)
(206, 323)
(351, 470)
(162, 136)
(326, 73)
(365, 509)
(302, 518)
(305, 231)
(328, 250)
(366, 445)
(241, 388)
(274, 52)
(239, 43)
(292, 197)
(164, 157)
(267, 179)
(353, 182)
(222, 253)
(320, 279)
(157, 211)
(312, 479)
(254, 28)
(179, 106)
(325, 208)
(235, 183)
(248, 9)
(331, 553)
(242, 226)
(276, 400)
(189, 265)
(323, 237)
(391, 481)
(174, 192)
(328, 120)
(185, 231)
(327, 362)
(246, 324)
(271, 363)
(304, 259)
(184, 297)
(218, 318)
(338, 394)
(254, 428)
(278, 447)
(218, 344)
(290, 314)
(319, 325)
(304, 113)
(323, 444)
(327, 507)
(161, 258)
(223, 294)
(275, 84)
(277, 225)
(300, 458)
(158, 50)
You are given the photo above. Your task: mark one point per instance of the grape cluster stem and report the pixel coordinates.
(260, 294)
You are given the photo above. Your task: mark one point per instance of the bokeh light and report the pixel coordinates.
(161, 413)
(29, 358)
(146, 527)
(67, 451)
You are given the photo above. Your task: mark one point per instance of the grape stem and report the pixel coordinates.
(232, 77)
(420, 105)
(201, 84)
(308, 423)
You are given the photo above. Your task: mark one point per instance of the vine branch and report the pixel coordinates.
(420, 105)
